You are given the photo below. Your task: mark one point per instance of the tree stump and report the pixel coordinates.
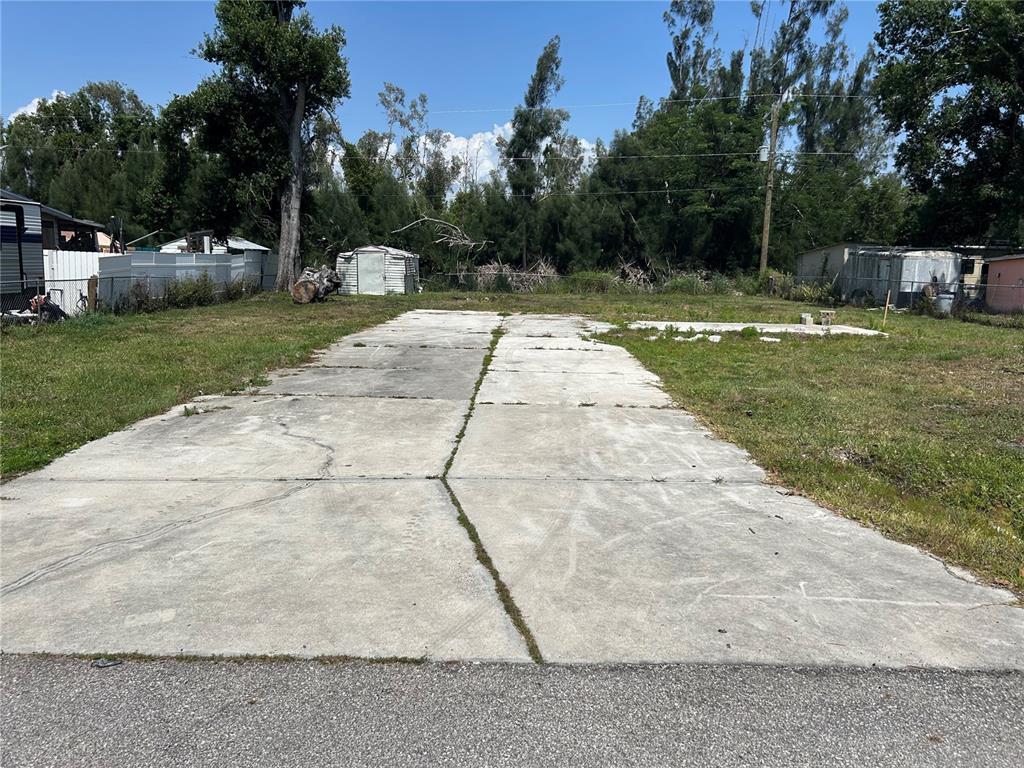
(304, 292)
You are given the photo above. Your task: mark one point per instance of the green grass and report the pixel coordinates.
(920, 435)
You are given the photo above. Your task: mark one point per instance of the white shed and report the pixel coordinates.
(378, 269)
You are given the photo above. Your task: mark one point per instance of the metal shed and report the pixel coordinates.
(861, 271)
(377, 270)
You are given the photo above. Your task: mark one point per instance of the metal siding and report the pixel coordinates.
(346, 269)
(394, 274)
(31, 257)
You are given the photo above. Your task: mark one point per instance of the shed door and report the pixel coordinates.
(370, 272)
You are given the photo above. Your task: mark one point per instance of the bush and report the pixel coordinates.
(140, 298)
(238, 289)
(591, 282)
(690, 283)
(811, 293)
(191, 292)
(719, 284)
(750, 284)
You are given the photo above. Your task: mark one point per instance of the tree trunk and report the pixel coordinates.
(288, 258)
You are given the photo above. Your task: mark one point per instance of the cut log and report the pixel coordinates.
(305, 292)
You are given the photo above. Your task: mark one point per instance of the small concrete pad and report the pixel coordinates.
(683, 326)
(372, 569)
(453, 383)
(608, 360)
(243, 438)
(572, 389)
(665, 572)
(509, 441)
(402, 357)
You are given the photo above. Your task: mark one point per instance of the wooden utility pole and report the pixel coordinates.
(773, 137)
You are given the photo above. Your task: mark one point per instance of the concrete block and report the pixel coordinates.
(701, 573)
(596, 443)
(419, 337)
(609, 359)
(572, 389)
(246, 437)
(435, 384)
(470, 360)
(369, 569)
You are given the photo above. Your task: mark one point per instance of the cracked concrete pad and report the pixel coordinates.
(609, 360)
(572, 389)
(452, 383)
(667, 572)
(419, 337)
(514, 441)
(509, 343)
(683, 326)
(402, 357)
(253, 438)
(331, 568)
(548, 325)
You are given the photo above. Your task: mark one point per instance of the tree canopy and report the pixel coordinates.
(258, 148)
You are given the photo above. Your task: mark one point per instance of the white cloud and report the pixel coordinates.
(480, 153)
(33, 106)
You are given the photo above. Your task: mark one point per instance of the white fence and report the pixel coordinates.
(67, 273)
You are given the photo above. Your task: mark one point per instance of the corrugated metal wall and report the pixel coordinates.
(346, 269)
(24, 266)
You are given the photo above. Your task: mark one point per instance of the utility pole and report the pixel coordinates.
(773, 137)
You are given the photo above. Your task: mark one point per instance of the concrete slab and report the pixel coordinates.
(611, 359)
(658, 572)
(550, 342)
(475, 322)
(510, 441)
(572, 389)
(402, 357)
(450, 383)
(328, 568)
(418, 337)
(807, 330)
(551, 325)
(242, 438)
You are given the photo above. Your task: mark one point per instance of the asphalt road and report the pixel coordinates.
(64, 712)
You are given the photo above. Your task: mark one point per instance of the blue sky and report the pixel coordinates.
(464, 55)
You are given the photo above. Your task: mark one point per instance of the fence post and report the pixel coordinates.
(91, 288)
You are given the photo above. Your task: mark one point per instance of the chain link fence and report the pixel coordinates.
(121, 294)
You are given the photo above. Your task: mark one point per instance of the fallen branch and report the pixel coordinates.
(447, 234)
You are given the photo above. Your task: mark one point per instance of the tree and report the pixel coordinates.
(534, 123)
(88, 152)
(951, 83)
(277, 61)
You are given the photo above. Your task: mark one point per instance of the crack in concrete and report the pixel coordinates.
(328, 461)
(146, 536)
(515, 615)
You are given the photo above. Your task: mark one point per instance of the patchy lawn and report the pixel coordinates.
(920, 435)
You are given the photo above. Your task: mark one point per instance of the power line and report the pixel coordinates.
(691, 100)
(477, 110)
(583, 158)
